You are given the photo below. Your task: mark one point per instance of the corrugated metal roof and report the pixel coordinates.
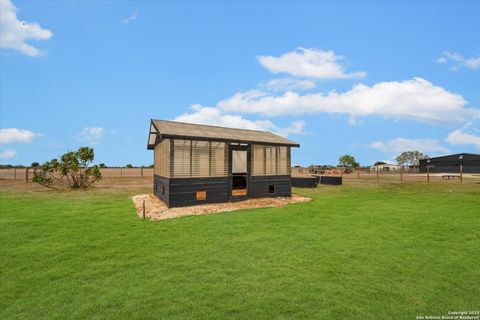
(182, 130)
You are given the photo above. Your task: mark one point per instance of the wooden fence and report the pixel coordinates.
(410, 176)
(26, 174)
(400, 176)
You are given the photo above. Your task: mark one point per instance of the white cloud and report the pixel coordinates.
(310, 63)
(14, 33)
(457, 61)
(460, 137)
(415, 99)
(288, 84)
(215, 116)
(7, 154)
(295, 127)
(91, 135)
(399, 145)
(442, 60)
(132, 17)
(14, 135)
(472, 63)
(354, 121)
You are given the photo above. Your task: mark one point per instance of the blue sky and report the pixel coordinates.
(369, 79)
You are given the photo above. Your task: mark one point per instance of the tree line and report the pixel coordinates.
(74, 169)
(411, 158)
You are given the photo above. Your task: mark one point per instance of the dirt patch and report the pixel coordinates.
(157, 210)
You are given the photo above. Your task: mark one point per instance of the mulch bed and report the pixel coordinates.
(157, 210)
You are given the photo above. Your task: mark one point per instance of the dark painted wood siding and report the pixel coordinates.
(161, 184)
(259, 186)
(183, 191)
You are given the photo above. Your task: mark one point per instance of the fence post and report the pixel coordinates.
(14, 173)
(141, 171)
(358, 174)
(401, 173)
(121, 172)
(377, 172)
(26, 174)
(461, 172)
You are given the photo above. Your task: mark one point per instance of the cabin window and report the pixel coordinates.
(163, 190)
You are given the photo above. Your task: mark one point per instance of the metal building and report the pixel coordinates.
(454, 163)
(195, 164)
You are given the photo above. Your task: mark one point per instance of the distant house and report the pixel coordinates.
(386, 167)
(196, 164)
(451, 163)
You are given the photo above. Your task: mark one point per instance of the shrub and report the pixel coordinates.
(72, 170)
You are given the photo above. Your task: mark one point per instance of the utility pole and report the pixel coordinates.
(461, 167)
(428, 170)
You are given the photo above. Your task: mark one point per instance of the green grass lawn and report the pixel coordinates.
(359, 251)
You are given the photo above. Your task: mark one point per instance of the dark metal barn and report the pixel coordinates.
(195, 164)
(469, 162)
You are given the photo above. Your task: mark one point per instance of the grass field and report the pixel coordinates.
(359, 251)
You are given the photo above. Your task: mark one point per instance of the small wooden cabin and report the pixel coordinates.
(196, 164)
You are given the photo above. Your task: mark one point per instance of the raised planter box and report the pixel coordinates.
(304, 182)
(334, 181)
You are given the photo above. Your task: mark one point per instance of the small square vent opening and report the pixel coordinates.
(201, 195)
(271, 188)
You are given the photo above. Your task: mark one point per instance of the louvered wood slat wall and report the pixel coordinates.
(162, 159)
(194, 158)
(270, 160)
